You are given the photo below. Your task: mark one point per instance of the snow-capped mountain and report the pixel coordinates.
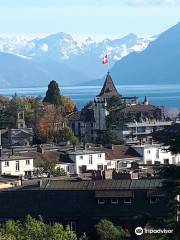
(83, 56)
(34, 61)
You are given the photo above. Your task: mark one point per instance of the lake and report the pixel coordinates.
(160, 95)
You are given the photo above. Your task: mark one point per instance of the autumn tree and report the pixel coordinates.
(69, 105)
(50, 124)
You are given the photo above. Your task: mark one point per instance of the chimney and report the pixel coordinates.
(40, 183)
(151, 141)
(12, 151)
(74, 147)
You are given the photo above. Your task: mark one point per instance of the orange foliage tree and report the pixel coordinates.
(50, 125)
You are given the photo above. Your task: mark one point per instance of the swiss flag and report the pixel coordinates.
(105, 60)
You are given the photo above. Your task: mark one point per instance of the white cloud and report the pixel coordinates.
(150, 2)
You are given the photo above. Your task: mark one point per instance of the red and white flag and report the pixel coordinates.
(105, 59)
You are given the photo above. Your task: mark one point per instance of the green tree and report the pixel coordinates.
(115, 103)
(68, 135)
(34, 229)
(108, 137)
(53, 95)
(170, 137)
(49, 167)
(106, 230)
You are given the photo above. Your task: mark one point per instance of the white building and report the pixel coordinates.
(132, 131)
(69, 168)
(87, 160)
(16, 166)
(156, 154)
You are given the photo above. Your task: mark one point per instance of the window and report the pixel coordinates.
(157, 162)
(90, 159)
(81, 157)
(17, 166)
(154, 200)
(100, 167)
(149, 162)
(99, 155)
(72, 225)
(101, 201)
(148, 152)
(27, 162)
(157, 153)
(166, 161)
(127, 201)
(114, 201)
(6, 163)
(67, 168)
(173, 160)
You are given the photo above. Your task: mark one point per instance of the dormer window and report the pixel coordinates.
(127, 201)
(101, 201)
(114, 201)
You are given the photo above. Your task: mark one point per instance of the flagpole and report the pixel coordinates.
(108, 65)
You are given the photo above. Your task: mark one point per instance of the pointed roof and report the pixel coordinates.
(109, 88)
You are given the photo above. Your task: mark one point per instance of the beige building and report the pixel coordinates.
(16, 166)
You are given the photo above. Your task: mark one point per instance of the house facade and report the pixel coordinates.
(86, 160)
(16, 166)
(134, 131)
(156, 154)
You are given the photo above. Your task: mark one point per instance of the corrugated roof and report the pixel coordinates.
(102, 184)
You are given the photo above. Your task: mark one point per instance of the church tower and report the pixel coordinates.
(20, 120)
(109, 90)
(100, 109)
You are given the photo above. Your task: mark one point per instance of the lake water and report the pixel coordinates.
(160, 95)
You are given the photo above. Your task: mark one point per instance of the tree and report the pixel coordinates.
(68, 104)
(106, 230)
(108, 137)
(34, 229)
(170, 137)
(115, 103)
(50, 125)
(53, 95)
(49, 168)
(68, 135)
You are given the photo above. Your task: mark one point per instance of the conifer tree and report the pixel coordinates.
(53, 95)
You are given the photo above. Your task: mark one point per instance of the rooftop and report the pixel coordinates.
(140, 108)
(101, 184)
(83, 152)
(109, 88)
(13, 158)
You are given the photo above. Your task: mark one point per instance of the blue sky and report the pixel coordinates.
(110, 18)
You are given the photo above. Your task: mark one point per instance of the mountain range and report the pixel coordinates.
(159, 63)
(133, 60)
(34, 62)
